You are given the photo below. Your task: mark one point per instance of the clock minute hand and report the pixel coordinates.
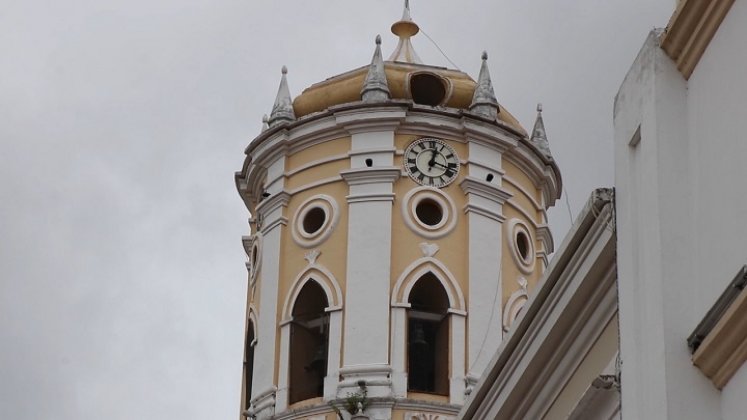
(439, 164)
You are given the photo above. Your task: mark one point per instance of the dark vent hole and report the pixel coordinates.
(429, 212)
(427, 89)
(314, 220)
(369, 162)
(522, 243)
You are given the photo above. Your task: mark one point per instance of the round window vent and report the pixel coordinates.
(427, 89)
(315, 220)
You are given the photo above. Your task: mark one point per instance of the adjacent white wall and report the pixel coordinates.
(682, 219)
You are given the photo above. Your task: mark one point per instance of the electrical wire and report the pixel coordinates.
(439, 49)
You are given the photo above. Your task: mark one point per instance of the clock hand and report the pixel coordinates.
(441, 165)
(433, 158)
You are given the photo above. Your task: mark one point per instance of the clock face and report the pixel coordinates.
(431, 162)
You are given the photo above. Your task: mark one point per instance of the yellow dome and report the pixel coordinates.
(405, 80)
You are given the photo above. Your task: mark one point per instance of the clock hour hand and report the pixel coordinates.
(433, 158)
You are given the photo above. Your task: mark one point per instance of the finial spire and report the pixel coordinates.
(539, 136)
(483, 101)
(405, 28)
(375, 88)
(282, 110)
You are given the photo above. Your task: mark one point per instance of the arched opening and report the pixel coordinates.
(309, 342)
(248, 364)
(428, 337)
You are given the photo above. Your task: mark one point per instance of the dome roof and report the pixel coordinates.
(408, 79)
(458, 89)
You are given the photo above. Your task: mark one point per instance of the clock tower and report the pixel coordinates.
(398, 225)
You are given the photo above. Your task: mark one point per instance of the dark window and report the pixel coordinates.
(248, 365)
(428, 337)
(309, 339)
(427, 89)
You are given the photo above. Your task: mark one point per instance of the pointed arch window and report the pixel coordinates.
(248, 364)
(309, 343)
(428, 337)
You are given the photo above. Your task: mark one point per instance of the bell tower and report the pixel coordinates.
(398, 223)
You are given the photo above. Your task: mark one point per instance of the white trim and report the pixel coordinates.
(331, 217)
(512, 182)
(514, 228)
(448, 208)
(457, 319)
(325, 279)
(315, 163)
(318, 183)
(418, 269)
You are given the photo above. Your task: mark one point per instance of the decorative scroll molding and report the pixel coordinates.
(691, 29)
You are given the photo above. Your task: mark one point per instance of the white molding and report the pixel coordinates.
(512, 182)
(324, 278)
(372, 175)
(446, 203)
(568, 310)
(417, 269)
(514, 304)
(513, 228)
(484, 189)
(331, 217)
(317, 183)
(314, 163)
(544, 235)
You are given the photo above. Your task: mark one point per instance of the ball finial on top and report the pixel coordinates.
(378, 39)
(484, 55)
(284, 70)
(539, 107)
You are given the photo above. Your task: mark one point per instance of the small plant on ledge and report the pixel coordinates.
(354, 403)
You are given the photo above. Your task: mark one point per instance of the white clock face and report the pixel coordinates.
(431, 162)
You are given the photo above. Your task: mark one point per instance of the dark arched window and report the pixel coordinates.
(248, 364)
(428, 337)
(309, 341)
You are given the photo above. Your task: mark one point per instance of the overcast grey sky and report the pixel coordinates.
(122, 279)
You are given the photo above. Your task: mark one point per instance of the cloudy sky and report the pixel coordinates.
(122, 279)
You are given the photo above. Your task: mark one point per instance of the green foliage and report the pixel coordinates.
(354, 402)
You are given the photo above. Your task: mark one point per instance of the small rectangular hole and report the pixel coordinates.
(636, 137)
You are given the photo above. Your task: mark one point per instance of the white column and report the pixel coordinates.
(366, 335)
(457, 346)
(484, 210)
(399, 350)
(333, 358)
(270, 212)
(281, 403)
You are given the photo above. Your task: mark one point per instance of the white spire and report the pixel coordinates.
(404, 29)
(483, 101)
(539, 136)
(375, 88)
(282, 111)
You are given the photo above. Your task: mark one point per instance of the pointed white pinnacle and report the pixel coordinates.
(483, 101)
(375, 87)
(539, 135)
(282, 110)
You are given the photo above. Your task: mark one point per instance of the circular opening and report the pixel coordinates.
(427, 89)
(522, 244)
(314, 219)
(429, 212)
(254, 255)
